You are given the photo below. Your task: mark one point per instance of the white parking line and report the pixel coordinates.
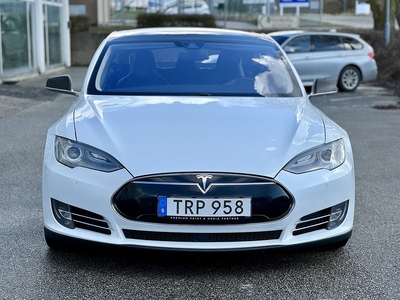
(350, 98)
(367, 92)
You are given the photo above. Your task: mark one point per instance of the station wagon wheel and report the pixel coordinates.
(349, 79)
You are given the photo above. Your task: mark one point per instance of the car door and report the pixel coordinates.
(327, 56)
(298, 49)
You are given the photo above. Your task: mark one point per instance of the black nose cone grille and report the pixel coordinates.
(138, 199)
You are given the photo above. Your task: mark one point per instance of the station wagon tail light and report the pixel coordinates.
(371, 54)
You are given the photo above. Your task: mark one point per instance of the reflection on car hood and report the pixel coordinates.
(200, 134)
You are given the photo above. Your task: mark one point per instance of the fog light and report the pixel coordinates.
(62, 213)
(338, 214)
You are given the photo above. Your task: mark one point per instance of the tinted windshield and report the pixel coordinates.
(193, 68)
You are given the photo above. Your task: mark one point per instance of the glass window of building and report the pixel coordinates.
(34, 37)
(15, 37)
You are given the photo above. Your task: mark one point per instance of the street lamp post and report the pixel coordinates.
(225, 12)
(122, 14)
(387, 23)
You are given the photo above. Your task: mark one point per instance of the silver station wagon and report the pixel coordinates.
(341, 57)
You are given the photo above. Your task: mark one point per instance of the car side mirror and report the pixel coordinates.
(289, 49)
(322, 87)
(61, 84)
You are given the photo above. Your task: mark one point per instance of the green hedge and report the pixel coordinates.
(161, 20)
(79, 24)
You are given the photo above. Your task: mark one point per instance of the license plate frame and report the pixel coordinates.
(185, 207)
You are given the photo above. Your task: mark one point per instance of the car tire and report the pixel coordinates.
(53, 243)
(336, 245)
(349, 79)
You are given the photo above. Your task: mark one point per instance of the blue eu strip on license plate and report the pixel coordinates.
(162, 206)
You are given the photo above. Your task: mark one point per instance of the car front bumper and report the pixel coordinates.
(90, 193)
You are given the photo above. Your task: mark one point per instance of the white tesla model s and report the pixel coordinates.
(195, 139)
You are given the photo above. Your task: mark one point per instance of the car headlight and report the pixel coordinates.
(328, 156)
(74, 154)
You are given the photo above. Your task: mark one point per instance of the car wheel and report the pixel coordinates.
(336, 245)
(349, 79)
(51, 242)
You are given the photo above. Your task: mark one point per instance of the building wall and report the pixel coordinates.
(84, 45)
(91, 9)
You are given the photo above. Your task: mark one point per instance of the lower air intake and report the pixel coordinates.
(202, 237)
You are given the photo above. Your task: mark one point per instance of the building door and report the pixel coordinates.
(52, 33)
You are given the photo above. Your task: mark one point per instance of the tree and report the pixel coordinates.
(397, 11)
(378, 8)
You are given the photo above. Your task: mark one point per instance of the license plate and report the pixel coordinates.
(204, 207)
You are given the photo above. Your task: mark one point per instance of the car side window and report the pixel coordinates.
(326, 43)
(351, 44)
(299, 44)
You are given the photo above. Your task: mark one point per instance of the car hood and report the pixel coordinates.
(149, 135)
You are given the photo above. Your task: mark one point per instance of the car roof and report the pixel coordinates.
(168, 33)
(289, 33)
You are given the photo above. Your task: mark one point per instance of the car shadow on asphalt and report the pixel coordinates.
(165, 261)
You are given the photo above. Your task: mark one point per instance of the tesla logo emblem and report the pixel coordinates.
(204, 178)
